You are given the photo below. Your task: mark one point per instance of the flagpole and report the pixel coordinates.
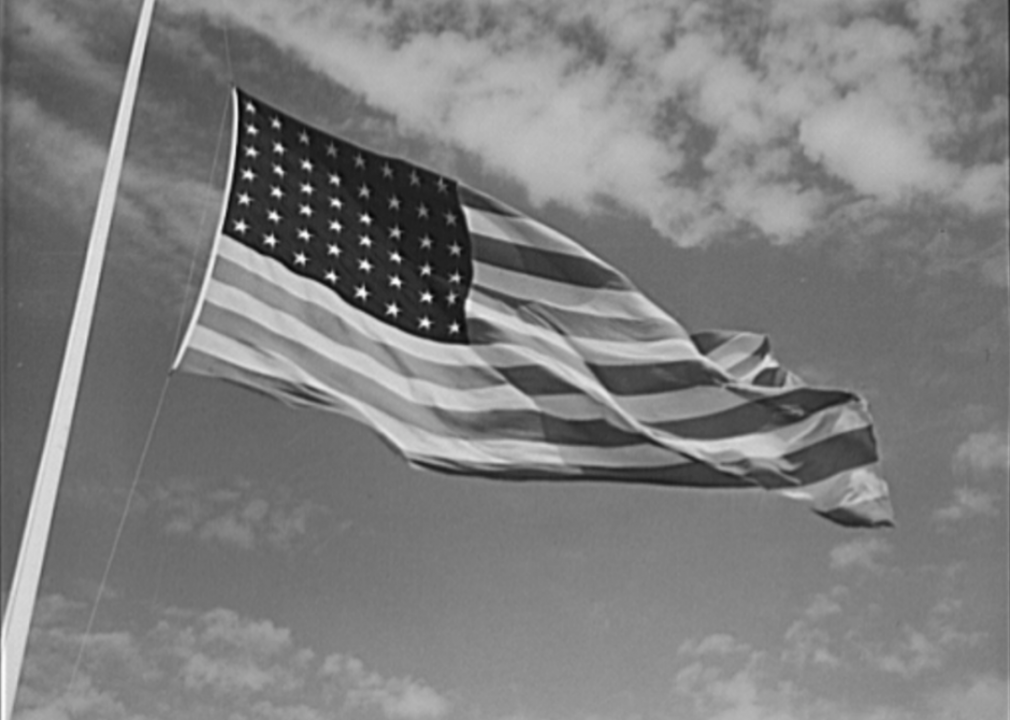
(24, 587)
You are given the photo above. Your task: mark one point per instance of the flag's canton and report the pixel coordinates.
(387, 236)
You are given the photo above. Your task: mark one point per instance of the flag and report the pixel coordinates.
(480, 342)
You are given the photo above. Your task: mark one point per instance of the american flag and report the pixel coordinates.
(478, 341)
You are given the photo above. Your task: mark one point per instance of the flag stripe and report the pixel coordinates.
(693, 412)
(423, 405)
(828, 457)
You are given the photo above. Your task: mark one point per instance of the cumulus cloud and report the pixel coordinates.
(218, 663)
(699, 118)
(396, 698)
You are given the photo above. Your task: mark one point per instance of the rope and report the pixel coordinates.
(154, 421)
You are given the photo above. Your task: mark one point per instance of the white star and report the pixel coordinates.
(304, 234)
(248, 174)
(273, 216)
(331, 150)
(336, 202)
(275, 123)
(361, 293)
(442, 187)
(387, 172)
(426, 243)
(250, 108)
(279, 171)
(359, 161)
(252, 129)
(333, 249)
(451, 298)
(240, 226)
(455, 249)
(301, 259)
(276, 192)
(335, 225)
(279, 149)
(244, 199)
(364, 266)
(365, 241)
(305, 210)
(394, 203)
(331, 277)
(252, 152)
(395, 281)
(454, 328)
(427, 297)
(364, 192)
(422, 210)
(303, 137)
(270, 240)
(307, 165)
(395, 257)
(450, 218)
(414, 179)
(334, 179)
(307, 189)
(424, 323)
(392, 309)
(456, 278)
(425, 270)
(395, 232)
(365, 219)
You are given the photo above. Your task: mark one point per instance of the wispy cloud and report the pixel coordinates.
(239, 516)
(703, 119)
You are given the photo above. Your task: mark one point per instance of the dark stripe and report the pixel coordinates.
(818, 462)
(546, 264)
(708, 340)
(484, 203)
(838, 453)
(689, 474)
(656, 377)
(771, 377)
(760, 415)
(594, 327)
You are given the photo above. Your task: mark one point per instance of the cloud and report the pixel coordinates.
(982, 454)
(862, 553)
(984, 458)
(239, 516)
(397, 698)
(218, 663)
(57, 166)
(701, 119)
(983, 698)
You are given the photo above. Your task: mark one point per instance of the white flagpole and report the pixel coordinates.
(25, 585)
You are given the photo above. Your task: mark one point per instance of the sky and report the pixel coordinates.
(833, 173)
